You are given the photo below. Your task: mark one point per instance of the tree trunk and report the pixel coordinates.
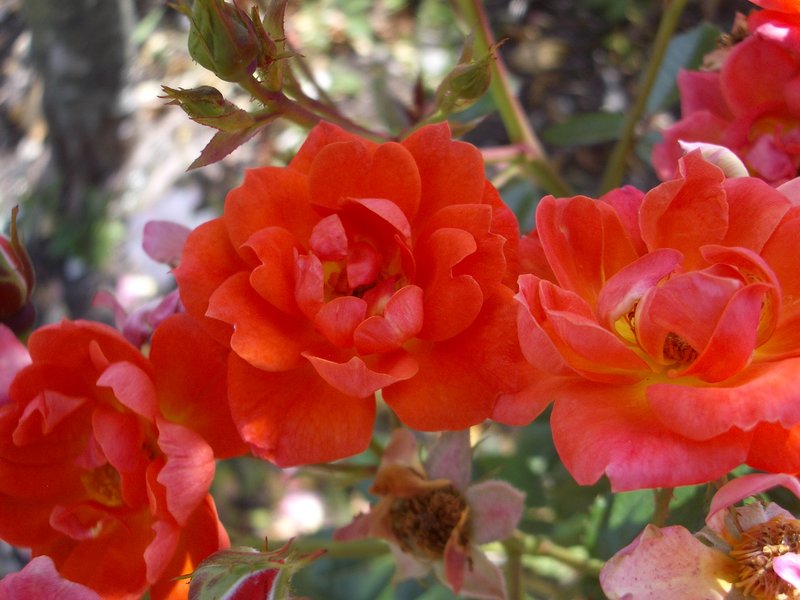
(82, 51)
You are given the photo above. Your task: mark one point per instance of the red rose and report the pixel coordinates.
(672, 329)
(359, 267)
(94, 476)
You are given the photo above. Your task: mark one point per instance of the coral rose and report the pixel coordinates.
(748, 103)
(94, 476)
(670, 322)
(359, 267)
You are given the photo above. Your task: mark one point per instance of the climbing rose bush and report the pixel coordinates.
(94, 476)
(670, 325)
(747, 100)
(359, 267)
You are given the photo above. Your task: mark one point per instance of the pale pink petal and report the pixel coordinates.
(484, 581)
(406, 566)
(791, 189)
(787, 567)
(39, 579)
(667, 563)
(402, 449)
(750, 485)
(718, 155)
(451, 458)
(496, 510)
(455, 561)
(163, 241)
(13, 356)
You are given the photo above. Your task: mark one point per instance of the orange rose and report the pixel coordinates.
(359, 267)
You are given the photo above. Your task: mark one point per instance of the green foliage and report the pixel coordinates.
(685, 51)
(585, 129)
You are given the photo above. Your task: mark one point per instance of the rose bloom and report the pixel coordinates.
(670, 325)
(92, 472)
(39, 579)
(434, 518)
(359, 267)
(748, 99)
(744, 553)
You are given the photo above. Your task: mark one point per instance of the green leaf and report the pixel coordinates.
(585, 128)
(685, 51)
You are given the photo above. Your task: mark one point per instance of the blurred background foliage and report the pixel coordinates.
(576, 65)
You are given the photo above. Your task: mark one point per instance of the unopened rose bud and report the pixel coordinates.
(465, 83)
(241, 573)
(223, 38)
(16, 281)
(207, 106)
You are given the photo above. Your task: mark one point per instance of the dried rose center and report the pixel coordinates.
(103, 485)
(754, 554)
(423, 523)
(678, 350)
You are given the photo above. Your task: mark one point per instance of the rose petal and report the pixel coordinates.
(749, 485)
(496, 510)
(264, 336)
(163, 241)
(787, 567)
(401, 320)
(765, 392)
(451, 458)
(667, 563)
(354, 378)
(39, 579)
(294, 417)
(189, 470)
(609, 429)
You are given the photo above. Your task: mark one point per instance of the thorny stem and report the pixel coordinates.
(514, 118)
(662, 497)
(619, 156)
(298, 111)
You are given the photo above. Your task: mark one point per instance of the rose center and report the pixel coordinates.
(423, 523)
(678, 350)
(103, 485)
(754, 555)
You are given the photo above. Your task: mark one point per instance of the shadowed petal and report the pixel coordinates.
(765, 392)
(295, 417)
(264, 336)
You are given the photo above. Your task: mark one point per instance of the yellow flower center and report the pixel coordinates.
(754, 554)
(423, 523)
(103, 485)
